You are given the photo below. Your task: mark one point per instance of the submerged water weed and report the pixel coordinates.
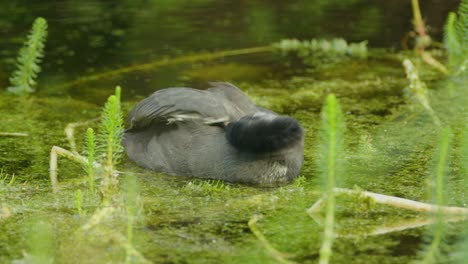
(452, 43)
(456, 37)
(438, 190)
(329, 165)
(107, 147)
(90, 154)
(418, 90)
(461, 254)
(111, 131)
(330, 47)
(23, 80)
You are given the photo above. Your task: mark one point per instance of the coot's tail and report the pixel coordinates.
(264, 132)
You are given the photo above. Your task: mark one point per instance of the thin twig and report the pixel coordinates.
(13, 134)
(70, 132)
(391, 201)
(58, 151)
(392, 227)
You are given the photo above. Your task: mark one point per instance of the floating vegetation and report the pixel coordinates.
(332, 47)
(23, 80)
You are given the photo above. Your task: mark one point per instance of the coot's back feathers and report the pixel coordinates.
(220, 104)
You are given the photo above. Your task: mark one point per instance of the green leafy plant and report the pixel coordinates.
(111, 131)
(90, 153)
(438, 190)
(329, 165)
(103, 153)
(23, 80)
(456, 37)
(109, 142)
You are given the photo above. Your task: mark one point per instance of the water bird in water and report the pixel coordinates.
(216, 133)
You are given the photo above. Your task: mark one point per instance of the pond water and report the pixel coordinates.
(93, 46)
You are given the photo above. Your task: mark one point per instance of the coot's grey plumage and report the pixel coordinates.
(216, 133)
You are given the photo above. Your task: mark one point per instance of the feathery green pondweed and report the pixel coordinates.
(437, 191)
(461, 254)
(452, 43)
(109, 142)
(456, 37)
(461, 26)
(23, 80)
(90, 153)
(329, 166)
(111, 131)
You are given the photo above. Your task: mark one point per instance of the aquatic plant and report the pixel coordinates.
(90, 153)
(329, 165)
(111, 131)
(336, 46)
(23, 80)
(107, 148)
(423, 40)
(451, 42)
(461, 253)
(438, 190)
(418, 89)
(108, 142)
(455, 37)
(461, 26)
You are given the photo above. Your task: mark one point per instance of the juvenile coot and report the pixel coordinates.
(216, 133)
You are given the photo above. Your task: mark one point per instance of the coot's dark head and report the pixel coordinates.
(264, 132)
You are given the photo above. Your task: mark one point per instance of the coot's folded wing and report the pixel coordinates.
(179, 104)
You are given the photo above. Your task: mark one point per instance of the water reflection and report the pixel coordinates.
(91, 36)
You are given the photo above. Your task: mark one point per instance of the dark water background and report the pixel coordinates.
(92, 36)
